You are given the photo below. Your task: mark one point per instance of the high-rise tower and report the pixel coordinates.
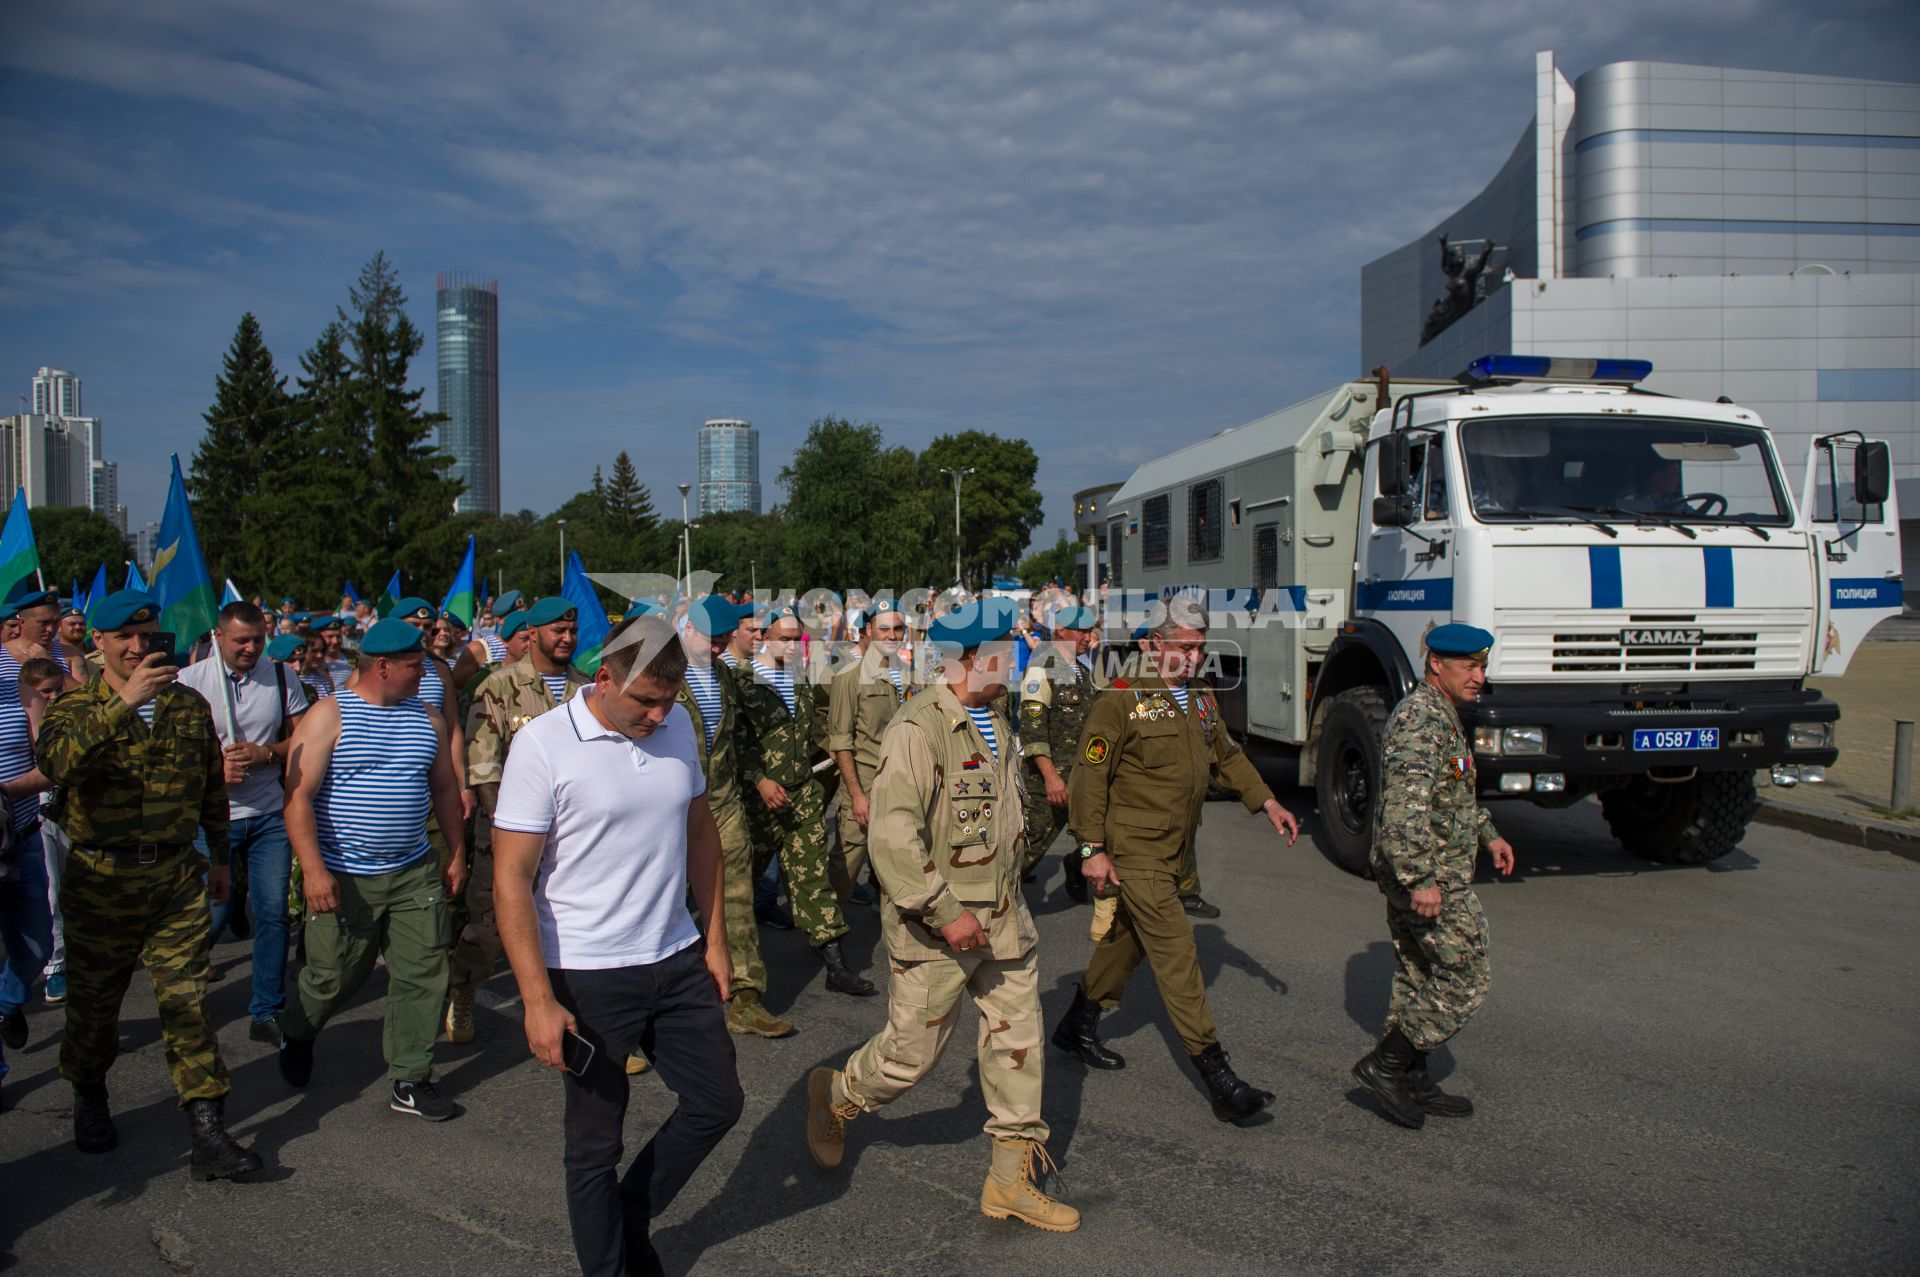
(467, 308)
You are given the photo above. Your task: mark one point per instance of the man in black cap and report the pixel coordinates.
(1429, 828)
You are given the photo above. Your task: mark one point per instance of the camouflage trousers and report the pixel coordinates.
(1442, 976)
(923, 1002)
(849, 861)
(118, 911)
(736, 897)
(797, 833)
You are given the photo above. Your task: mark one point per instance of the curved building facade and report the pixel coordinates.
(729, 466)
(467, 350)
(1754, 234)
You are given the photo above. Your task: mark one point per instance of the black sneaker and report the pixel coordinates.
(1199, 908)
(420, 1099)
(267, 1031)
(296, 1060)
(13, 1029)
(773, 917)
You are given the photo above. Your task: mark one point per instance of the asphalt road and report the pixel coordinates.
(1680, 1070)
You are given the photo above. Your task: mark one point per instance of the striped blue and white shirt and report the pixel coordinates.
(432, 690)
(556, 686)
(496, 647)
(16, 742)
(705, 686)
(983, 719)
(780, 680)
(371, 811)
(1180, 694)
(893, 672)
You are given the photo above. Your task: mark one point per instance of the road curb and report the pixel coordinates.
(1878, 835)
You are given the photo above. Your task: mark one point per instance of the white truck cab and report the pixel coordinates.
(1657, 596)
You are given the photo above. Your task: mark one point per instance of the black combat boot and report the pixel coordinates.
(215, 1155)
(1076, 883)
(1387, 1071)
(1432, 1098)
(1233, 1100)
(1078, 1034)
(840, 979)
(92, 1120)
(1197, 906)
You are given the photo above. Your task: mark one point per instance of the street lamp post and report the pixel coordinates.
(563, 552)
(686, 539)
(753, 581)
(957, 476)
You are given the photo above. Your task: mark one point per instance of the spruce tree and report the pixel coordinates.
(626, 500)
(250, 407)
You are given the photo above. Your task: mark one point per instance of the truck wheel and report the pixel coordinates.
(1347, 780)
(1686, 824)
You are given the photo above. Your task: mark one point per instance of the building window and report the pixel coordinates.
(1266, 557)
(1116, 549)
(1156, 530)
(1205, 530)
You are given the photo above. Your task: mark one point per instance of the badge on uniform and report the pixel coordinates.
(1034, 709)
(1461, 766)
(1097, 749)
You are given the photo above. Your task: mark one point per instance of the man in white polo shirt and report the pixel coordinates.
(601, 826)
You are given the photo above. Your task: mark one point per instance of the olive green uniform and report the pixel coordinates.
(946, 836)
(135, 888)
(1056, 694)
(861, 701)
(506, 699)
(781, 746)
(1139, 788)
(720, 761)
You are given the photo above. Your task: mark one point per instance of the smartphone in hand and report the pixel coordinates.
(576, 1053)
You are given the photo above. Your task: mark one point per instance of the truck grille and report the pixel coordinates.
(1603, 653)
(1589, 647)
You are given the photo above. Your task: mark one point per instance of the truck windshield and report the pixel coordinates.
(1641, 468)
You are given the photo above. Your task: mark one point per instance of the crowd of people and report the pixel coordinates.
(350, 790)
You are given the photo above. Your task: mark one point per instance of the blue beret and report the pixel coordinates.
(286, 598)
(515, 622)
(641, 607)
(26, 595)
(1076, 618)
(412, 608)
(506, 603)
(390, 637)
(282, 646)
(124, 607)
(326, 622)
(713, 615)
(1456, 639)
(880, 605)
(550, 609)
(972, 624)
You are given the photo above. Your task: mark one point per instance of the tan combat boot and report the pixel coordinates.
(1012, 1193)
(459, 1023)
(637, 1063)
(827, 1118)
(747, 1014)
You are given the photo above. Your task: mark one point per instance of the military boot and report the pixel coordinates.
(92, 1120)
(215, 1155)
(1233, 1099)
(1386, 1071)
(747, 1014)
(827, 1118)
(459, 1023)
(1431, 1097)
(1078, 1034)
(1012, 1190)
(1076, 877)
(840, 978)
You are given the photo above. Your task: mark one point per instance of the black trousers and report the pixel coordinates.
(671, 1012)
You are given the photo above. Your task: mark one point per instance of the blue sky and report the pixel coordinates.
(1107, 228)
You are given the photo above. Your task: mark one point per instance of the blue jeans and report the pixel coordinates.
(261, 857)
(26, 927)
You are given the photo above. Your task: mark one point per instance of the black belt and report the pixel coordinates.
(145, 853)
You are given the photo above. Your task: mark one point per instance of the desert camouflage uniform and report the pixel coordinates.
(135, 888)
(503, 702)
(861, 701)
(772, 744)
(730, 816)
(1429, 828)
(1055, 694)
(947, 836)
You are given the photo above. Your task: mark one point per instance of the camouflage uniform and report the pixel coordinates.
(730, 816)
(861, 701)
(135, 889)
(504, 701)
(775, 745)
(1055, 694)
(1429, 828)
(947, 836)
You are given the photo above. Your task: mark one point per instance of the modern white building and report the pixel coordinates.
(1754, 234)
(56, 393)
(41, 456)
(729, 466)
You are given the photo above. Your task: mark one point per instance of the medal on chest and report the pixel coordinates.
(1461, 766)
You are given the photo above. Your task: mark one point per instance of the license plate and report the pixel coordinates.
(1676, 738)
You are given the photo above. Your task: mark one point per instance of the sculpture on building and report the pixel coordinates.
(1465, 283)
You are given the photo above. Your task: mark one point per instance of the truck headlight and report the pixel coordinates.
(1523, 740)
(1809, 735)
(1486, 740)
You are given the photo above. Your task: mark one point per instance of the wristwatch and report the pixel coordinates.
(1089, 850)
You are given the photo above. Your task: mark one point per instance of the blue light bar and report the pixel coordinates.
(1543, 368)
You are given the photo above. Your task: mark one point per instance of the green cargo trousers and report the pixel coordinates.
(402, 916)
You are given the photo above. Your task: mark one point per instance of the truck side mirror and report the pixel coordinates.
(1392, 512)
(1393, 464)
(1872, 474)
